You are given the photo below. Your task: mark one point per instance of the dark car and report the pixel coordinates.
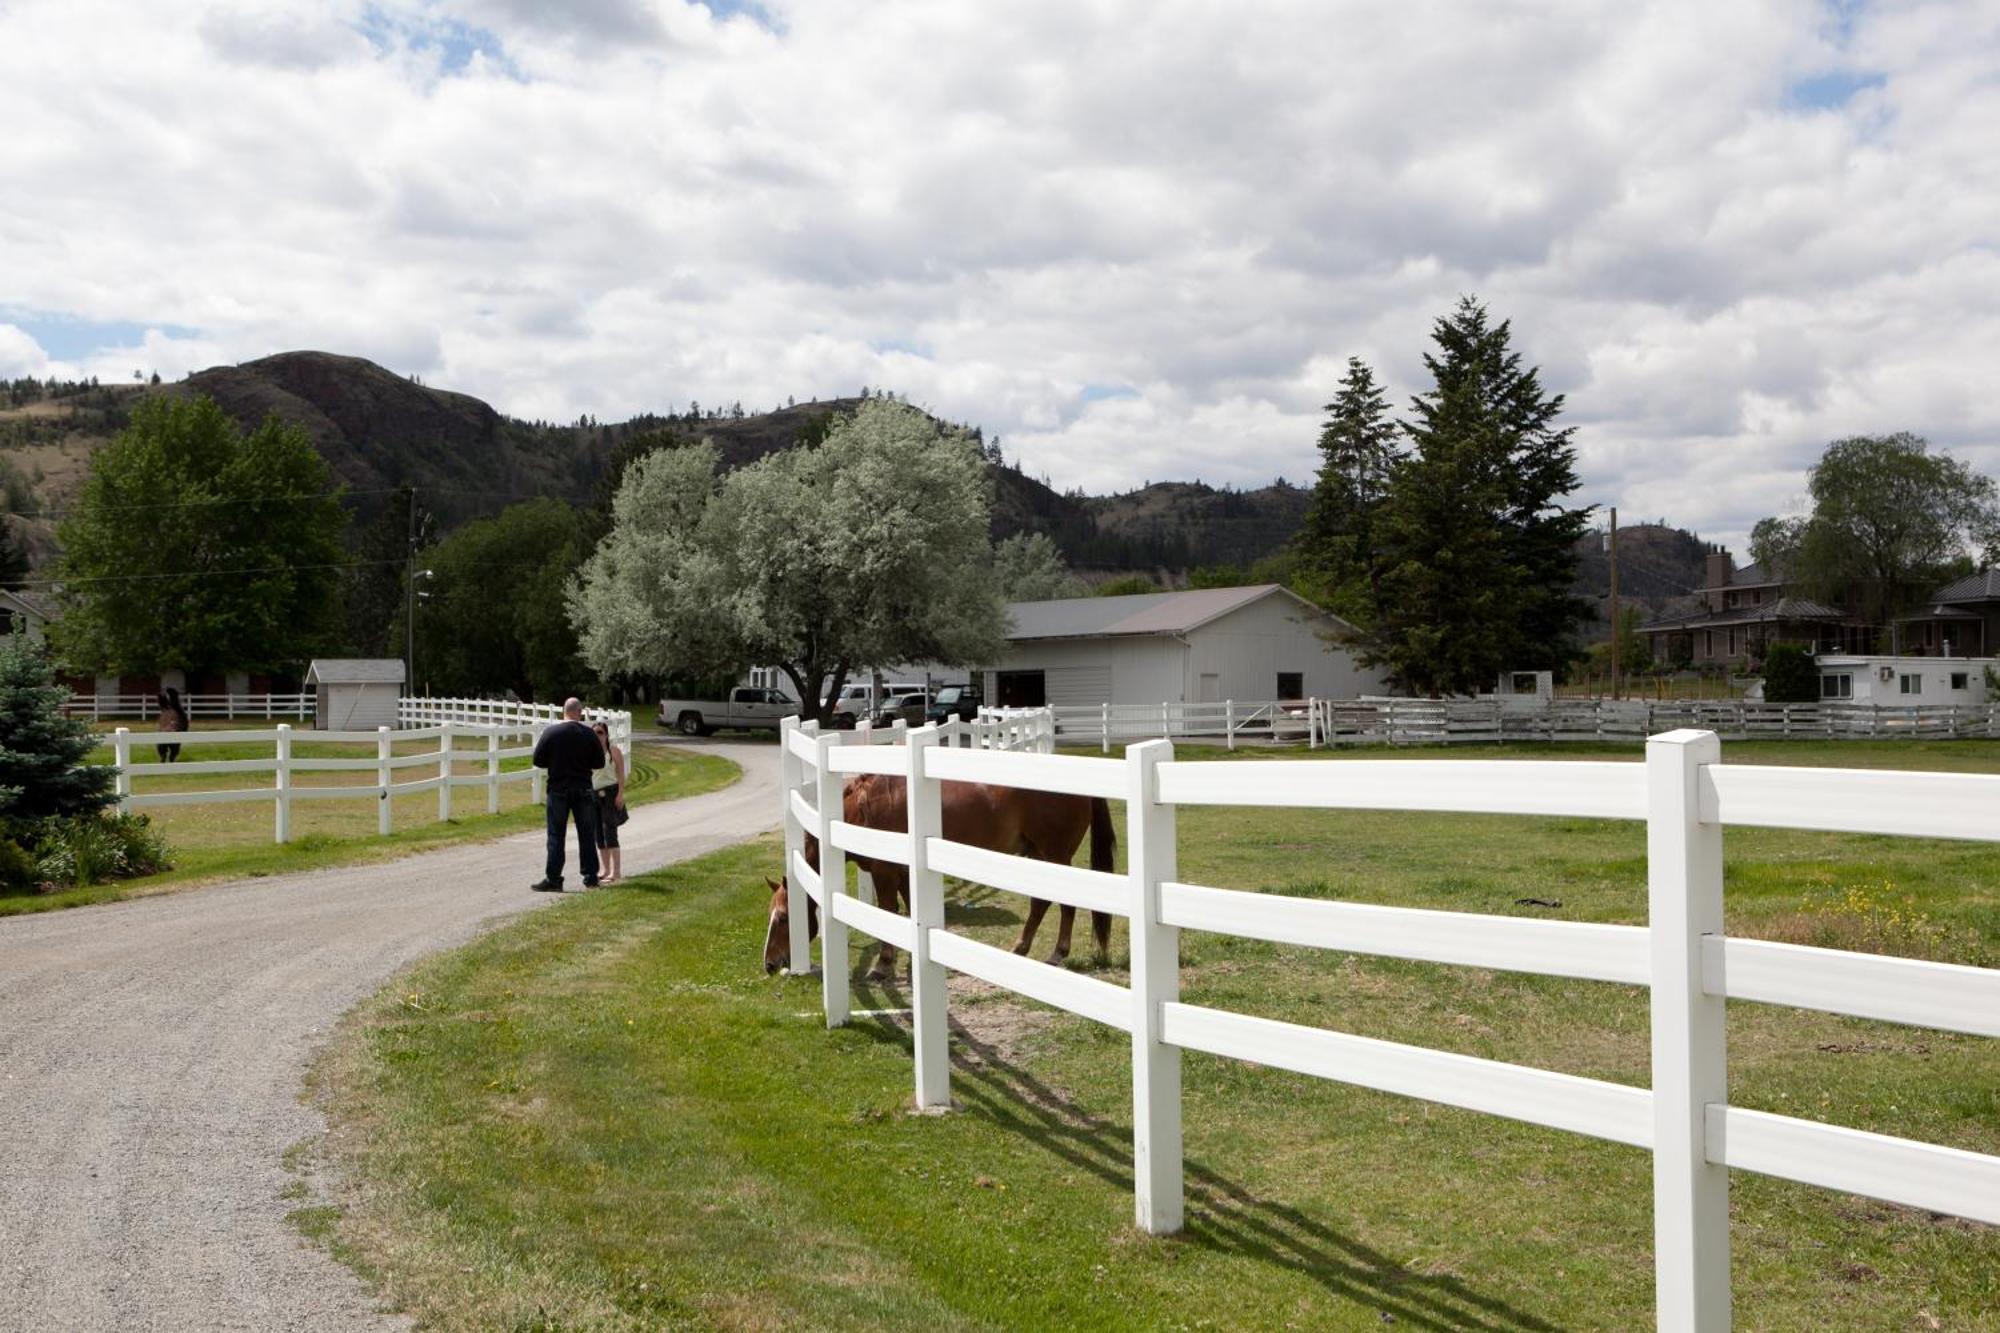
(907, 707)
(955, 701)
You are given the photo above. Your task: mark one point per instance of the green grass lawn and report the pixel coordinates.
(235, 840)
(605, 1116)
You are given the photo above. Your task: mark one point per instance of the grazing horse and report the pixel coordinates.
(1048, 826)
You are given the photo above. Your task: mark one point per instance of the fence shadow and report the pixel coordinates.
(1222, 1215)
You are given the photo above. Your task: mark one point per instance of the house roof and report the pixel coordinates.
(1972, 588)
(1142, 613)
(32, 604)
(356, 671)
(1751, 576)
(1784, 608)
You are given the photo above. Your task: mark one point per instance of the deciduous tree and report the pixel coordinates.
(1031, 569)
(194, 545)
(867, 551)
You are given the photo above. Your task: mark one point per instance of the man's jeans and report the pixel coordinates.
(561, 805)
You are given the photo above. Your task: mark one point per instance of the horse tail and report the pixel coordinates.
(1103, 846)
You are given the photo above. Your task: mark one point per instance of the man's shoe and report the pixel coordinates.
(590, 884)
(547, 886)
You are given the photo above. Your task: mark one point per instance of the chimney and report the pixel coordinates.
(1720, 566)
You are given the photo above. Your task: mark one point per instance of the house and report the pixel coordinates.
(1901, 681)
(1961, 620)
(25, 613)
(1204, 645)
(355, 694)
(1736, 615)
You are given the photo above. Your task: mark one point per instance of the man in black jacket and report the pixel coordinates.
(570, 752)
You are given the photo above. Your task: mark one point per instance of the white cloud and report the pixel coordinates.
(1138, 241)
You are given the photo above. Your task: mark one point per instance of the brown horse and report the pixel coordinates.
(1048, 826)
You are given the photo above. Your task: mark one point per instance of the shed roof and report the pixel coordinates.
(31, 603)
(1980, 587)
(1141, 613)
(355, 671)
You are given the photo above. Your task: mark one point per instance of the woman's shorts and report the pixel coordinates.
(607, 817)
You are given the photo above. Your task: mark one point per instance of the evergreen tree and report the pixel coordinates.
(1337, 544)
(13, 558)
(42, 768)
(1478, 550)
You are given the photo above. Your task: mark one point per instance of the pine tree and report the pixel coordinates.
(42, 768)
(1478, 549)
(1358, 453)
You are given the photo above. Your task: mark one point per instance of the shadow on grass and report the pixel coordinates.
(1221, 1215)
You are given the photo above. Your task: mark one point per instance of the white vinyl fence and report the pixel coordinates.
(1683, 792)
(144, 707)
(1318, 722)
(479, 732)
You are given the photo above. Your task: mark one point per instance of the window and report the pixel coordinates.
(1732, 643)
(1959, 680)
(1708, 643)
(1840, 686)
(1729, 599)
(1911, 684)
(1291, 684)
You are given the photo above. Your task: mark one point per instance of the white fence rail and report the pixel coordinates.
(1320, 722)
(482, 733)
(144, 707)
(1684, 794)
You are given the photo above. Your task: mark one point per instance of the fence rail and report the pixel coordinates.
(1683, 793)
(498, 731)
(144, 707)
(1333, 722)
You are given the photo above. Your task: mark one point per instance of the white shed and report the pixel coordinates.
(1902, 681)
(1205, 645)
(355, 694)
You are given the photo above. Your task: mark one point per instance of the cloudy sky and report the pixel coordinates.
(1137, 240)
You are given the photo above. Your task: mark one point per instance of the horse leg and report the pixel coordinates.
(1037, 909)
(1064, 921)
(891, 884)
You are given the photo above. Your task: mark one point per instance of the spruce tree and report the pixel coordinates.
(1337, 541)
(42, 768)
(1478, 550)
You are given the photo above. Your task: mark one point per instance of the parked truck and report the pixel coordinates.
(748, 708)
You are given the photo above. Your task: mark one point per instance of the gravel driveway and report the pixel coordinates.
(151, 1058)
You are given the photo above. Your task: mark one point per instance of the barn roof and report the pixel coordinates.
(355, 671)
(1142, 613)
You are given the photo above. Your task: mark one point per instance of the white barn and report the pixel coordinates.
(355, 694)
(1201, 646)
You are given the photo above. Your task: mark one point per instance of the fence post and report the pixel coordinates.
(927, 990)
(1690, 1060)
(1105, 710)
(1156, 981)
(833, 989)
(121, 750)
(537, 776)
(444, 772)
(283, 789)
(383, 777)
(492, 769)
(1229, 723)
(791, 777)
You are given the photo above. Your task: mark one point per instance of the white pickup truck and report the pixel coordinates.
(748, 708)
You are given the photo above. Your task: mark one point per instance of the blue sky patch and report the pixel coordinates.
(1097, 393)
(1825, 91)
(453, 42)
(908, 346)
(72, 338)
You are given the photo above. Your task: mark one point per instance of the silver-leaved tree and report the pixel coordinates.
(868, 550)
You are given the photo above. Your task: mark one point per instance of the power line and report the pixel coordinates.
(274, 499)
(259, 569)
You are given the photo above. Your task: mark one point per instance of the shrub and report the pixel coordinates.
(90, 849)
(17, 868)
(42, 768)
(1790, 676)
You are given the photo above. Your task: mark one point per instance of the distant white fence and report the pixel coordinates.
(96, 707)
(1683, 792)
(499, 731)
(1317, 722)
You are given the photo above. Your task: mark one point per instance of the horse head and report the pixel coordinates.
(778, 928)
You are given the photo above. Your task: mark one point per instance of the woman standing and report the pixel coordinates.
(609, 785)
(173, 719)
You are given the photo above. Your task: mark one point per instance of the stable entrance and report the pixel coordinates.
(1022, 689)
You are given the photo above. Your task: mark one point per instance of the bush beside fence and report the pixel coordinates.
(1684, 794)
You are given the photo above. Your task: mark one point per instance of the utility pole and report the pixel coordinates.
(410, 591)
(1614, 602)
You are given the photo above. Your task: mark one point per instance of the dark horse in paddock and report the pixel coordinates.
(1048, 826)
